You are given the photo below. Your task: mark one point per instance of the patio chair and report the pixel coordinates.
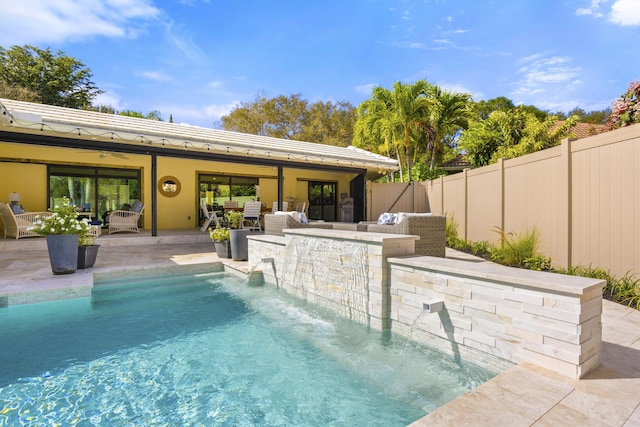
(431, 229)
(275, 223)
(126, 220)
(211, 216)
(230, 205)
(15, 225)
(285, 206)
(300, 206)
(251, 215)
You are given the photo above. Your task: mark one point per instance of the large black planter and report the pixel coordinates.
(63, 253)
(223, 248)
(240, 244)
(87, 256)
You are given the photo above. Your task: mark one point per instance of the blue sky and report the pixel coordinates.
(197, 59)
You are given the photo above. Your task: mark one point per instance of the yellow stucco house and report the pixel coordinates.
(104, 162)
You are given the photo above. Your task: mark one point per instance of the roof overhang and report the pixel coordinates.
(31, 123)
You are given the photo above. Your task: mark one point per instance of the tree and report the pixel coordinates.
(291, 117)
(448, 115)
(57, 79)
(513, 133)
(393, 117)
(17, 92)
(153, 115)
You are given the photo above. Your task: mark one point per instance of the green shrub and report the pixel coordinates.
(539, 263)
(514, 249)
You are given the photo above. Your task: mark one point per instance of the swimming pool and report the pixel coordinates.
(205, 349)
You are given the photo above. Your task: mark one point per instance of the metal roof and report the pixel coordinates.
(40, 119)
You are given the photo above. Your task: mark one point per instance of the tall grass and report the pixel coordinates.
(519, 250)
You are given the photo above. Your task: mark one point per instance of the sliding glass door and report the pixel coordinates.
(94, 190)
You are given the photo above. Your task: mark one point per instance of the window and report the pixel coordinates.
(216, 189)
(95, 190)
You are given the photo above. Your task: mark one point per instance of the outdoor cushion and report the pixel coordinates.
(387, 218)
(402, 215)
(303, 218)
(137, 206)
(293, 214)
(17, 208)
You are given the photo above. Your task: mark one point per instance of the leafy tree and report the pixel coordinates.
(107, 109)
(483, 109)
(153, 115)
(398, 111)
(57, 79)
(509, 134)
(17, 92)
(291, 117)
(449, 114)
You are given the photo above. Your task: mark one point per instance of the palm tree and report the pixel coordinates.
(393, 116)
(449, 113)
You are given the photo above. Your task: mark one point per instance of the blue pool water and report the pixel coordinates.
(209, 350)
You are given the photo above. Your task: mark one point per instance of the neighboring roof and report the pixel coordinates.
(582, 130)
(40, 119)
(457, 163)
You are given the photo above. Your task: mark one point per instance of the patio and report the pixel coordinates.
(522, 396)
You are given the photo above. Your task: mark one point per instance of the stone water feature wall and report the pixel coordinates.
(551, 320)
(490, 314)
(341, 270)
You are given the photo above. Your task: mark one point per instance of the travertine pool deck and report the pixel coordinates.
(524, 395)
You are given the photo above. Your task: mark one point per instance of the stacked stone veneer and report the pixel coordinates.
(310, 264)
(492, 315)
(551, 320)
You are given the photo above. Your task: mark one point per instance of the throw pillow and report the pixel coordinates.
(387, 218)
(137, 206)
(16, 208)
(303, 218)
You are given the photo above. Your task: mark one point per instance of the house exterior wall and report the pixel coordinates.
(23, 169)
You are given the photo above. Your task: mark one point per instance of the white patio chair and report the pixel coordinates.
(251, 214)
(229, 205)
(211, 216)
(300, 206)
(285, 206)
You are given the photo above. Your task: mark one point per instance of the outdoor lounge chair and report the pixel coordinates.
(15, 225)
(211, 216)
(126, 221)
(251, 215)
(431, 229)
(275, 223)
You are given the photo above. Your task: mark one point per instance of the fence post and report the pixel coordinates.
(567, 235)
(501, 192)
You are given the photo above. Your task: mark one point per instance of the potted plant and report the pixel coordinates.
(62, 229)
(237, 236)
(220, 238)
(87, 249)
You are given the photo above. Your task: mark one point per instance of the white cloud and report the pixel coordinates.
(625, 13)
(184, 41)
(592, 10)
(156, 76)
(111, 99)
(204, 115)
(366, 89)
(38, 21)
(540, 73)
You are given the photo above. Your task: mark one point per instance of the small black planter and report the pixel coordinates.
(87, 256)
